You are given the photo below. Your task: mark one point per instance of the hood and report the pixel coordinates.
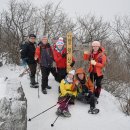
(80, 70)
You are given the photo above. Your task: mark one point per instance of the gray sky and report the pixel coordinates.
(106, 8)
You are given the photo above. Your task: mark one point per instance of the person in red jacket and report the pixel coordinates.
(60, 54)
(97, 60)
(44, 55)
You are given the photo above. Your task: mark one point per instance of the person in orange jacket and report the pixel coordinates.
(97, 60)
(85, 89)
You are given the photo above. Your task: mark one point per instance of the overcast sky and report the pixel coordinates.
(106, 8)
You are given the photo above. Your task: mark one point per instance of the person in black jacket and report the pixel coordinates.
(27, 55)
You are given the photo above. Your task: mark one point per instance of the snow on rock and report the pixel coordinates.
(2, 87)
(13, 106)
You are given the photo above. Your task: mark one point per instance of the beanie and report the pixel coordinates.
(60, 41)
(72, 72)
(96, 43)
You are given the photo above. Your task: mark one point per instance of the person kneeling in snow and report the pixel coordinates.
(85, 90)
(67, 96)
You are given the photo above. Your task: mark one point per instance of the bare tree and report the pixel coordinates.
(54, 21)
(121, 28)
(91, 28)
(18, 21)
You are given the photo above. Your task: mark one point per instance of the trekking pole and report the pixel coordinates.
(59, 115)
(45, 110)
(37, 82)
(38, 87)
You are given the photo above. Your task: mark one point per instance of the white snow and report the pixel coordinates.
(109, 118)
(2, 87)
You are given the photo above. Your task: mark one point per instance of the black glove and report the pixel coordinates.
(72, 64)
(64, 55)
(70, 95)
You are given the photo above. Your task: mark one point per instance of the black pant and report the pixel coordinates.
(97, 80)
(61, 74)
(45, 73)
(32, 68)
(90, 99)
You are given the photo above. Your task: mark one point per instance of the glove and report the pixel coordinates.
(86, 94)
(64, 55)
(23, 62)
(72, 64)
(93, 62)
(68, 95)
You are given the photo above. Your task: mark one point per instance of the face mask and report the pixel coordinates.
(69, 80)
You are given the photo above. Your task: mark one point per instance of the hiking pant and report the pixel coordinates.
(45, 74)
(61, 74)
(97, 85)
(64, 102)
(90, 99)
(32, 68)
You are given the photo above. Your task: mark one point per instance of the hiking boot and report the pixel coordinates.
(44, 91)
(66, 113)
(93, 110)
(48, 87)
(59, 111)
(34, 85)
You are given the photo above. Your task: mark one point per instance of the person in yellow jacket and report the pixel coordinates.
(67, 96)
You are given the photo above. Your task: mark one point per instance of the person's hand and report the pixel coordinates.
(23, 61)
(77, 83)
(36, 57)
(72, 64)
(64, 55)
(93, 62)
(86, 52)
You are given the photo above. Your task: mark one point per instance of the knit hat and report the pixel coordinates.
(60, 41)
(72, 72)
(96, 43)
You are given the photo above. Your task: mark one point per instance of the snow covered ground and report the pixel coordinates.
(109, 118)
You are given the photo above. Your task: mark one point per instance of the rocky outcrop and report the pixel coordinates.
(13, 108)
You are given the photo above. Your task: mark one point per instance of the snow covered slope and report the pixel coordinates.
(109, 118)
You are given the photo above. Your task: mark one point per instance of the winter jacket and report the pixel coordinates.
(61, 61)
(88, 84)
(28, 52)
(66, 88)
(100, 59)
(45, 55)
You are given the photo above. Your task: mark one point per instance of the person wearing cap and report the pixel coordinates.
(85, 88)
(44, 54)
(54, 41)
(67, 96)
(60, 57)
(27, 55)
(97, 60)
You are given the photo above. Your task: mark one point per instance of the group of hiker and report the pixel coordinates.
(72, 85)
